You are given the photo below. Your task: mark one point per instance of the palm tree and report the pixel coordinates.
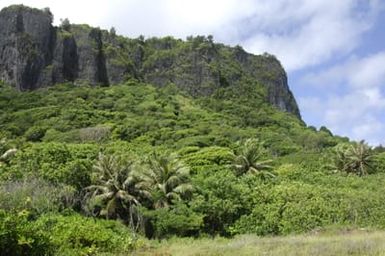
(360, 158)
(355, 158)
(115, 192)
(168, 180)
(248, 159)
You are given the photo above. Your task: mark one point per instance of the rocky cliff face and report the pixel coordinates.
(26, 41)
(35, 54)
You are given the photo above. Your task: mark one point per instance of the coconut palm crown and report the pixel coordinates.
(168, 180)
(115, 192)
(248, 159)
(354, 158)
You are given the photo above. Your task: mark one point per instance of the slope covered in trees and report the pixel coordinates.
(165, 163)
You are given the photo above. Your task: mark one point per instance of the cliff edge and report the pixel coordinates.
(35, 54)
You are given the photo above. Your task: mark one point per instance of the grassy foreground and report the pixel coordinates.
(344, 243)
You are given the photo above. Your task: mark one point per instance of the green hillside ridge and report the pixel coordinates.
(60, 132)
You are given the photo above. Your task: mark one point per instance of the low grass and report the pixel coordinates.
(359, 242)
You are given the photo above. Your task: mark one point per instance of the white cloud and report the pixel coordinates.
(354, 116)
(371, 131)
(179, 18)
(369, 72)
(313, 31)
(357, 111)
(90, 12)
(357, 72)
(299, 32)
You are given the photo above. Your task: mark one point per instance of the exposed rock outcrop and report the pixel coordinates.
(26, 43)
(34, 54)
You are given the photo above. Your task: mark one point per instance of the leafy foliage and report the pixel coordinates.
(178, 220)
(115, 192)
(355, 158)
(248, 160)
(77, 235)
(221, 141)
(36, 196)
(168, 180)
(19, 236)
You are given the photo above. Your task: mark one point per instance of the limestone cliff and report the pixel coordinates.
(34, 54)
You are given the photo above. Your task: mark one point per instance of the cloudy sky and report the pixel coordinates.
(333, 51)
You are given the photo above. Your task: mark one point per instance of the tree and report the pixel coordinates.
(115, 192)
(65, 24)
(325, 130)
(168, 179)
(360, 158)
(113, 32)
(210, 39)
(355, 158)
(248, 159)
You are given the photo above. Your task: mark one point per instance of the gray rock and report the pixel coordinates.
(26, 41)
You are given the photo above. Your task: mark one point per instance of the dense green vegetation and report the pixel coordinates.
(87, 171)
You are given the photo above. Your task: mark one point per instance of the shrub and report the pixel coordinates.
(296, 207)
(180, 220)
(55, 162)
(77, 235)
(379, 163)
(222, 199)
(288, 208)
(97, 134)
(19, 236)
(35, 133)
(35, 195)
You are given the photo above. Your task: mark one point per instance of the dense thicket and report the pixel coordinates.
(164, 164)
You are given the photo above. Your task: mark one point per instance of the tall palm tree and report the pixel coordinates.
(168, 179)
(248, 159)
(115, 192)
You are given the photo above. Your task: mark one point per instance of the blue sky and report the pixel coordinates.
(333, 51)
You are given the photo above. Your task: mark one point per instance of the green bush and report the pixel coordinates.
(19, 236)
(36, 196)
(199, 159)
(222, 198)
(296, 207)
(180, 220)
(77, 235)
(55, 162)
(35, 133)
(379, 163)
(62, 235)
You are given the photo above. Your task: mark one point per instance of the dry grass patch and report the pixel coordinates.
(360, 243)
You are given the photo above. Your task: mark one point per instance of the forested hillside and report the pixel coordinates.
(165, 164)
